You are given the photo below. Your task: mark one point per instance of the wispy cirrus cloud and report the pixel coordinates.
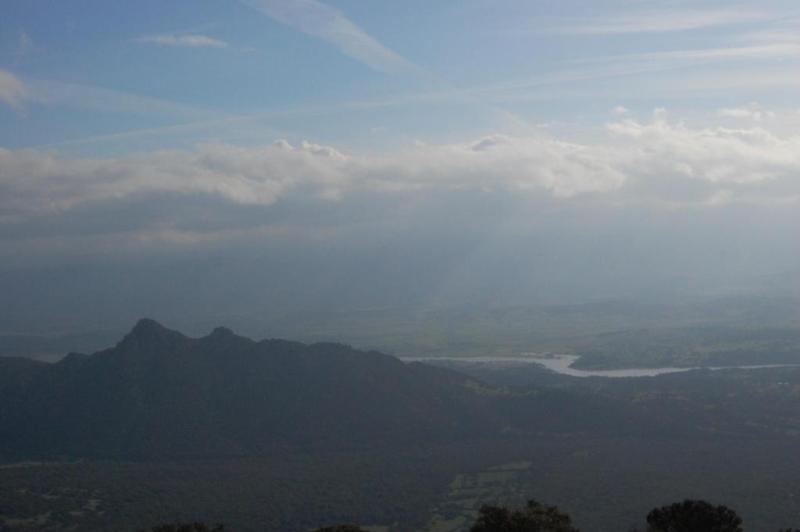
(183, 40)
(329, 24)
(24, 45)
(658, 21)
(13, 92)
(111, 100)
(759, 51)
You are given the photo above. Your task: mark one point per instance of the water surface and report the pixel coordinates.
(562, 364)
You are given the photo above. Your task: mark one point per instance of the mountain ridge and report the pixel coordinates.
(159, 393)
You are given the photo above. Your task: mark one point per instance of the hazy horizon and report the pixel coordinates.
(209, 159)
(410, 266)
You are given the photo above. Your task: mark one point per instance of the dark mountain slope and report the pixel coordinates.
(160, 394)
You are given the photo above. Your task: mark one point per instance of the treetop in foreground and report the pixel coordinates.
(693, 516)
(534, 517)
(687, 516)
(341, 528)
(188, 527)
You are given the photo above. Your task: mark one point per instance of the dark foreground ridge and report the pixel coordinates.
(160, 394)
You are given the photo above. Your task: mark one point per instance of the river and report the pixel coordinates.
(563, 364)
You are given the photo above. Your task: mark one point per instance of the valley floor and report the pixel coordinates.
(606, 484)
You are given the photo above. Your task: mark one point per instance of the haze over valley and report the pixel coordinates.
(437, 266)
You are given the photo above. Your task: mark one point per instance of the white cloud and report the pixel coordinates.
(37, 181)
(183, 40)
(658, 161)
(676, 163)
(13, 92)
(749, 112)
(326, 23)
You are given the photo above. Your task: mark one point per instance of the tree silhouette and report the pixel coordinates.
(693, 516)
(534, 517)
(340, 528)
(187, 527)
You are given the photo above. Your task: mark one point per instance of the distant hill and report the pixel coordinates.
(295, 436)
(50, 348)
(158, 393)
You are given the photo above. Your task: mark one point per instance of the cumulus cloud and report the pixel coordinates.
(184, 40)
(36, 181)
(13, 92)
(40, 181)
(750, 112)
(657, 160)
(676, 163)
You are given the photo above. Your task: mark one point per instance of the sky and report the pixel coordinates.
(232, 156)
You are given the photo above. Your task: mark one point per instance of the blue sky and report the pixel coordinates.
(604, 144)
(375, 74)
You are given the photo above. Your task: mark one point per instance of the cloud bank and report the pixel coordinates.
(752, 112)
(637, 161)
(650, 207)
